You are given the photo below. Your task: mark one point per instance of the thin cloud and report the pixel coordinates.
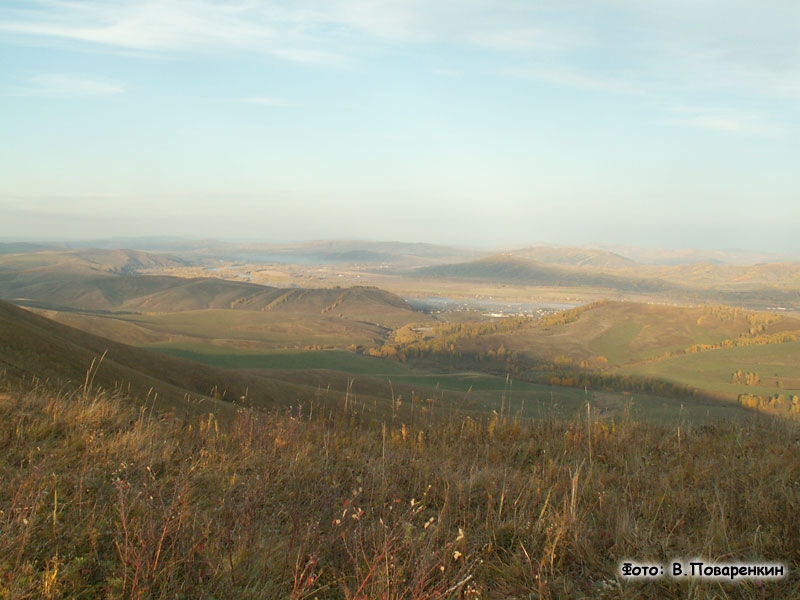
(174, 26)
(667, 47)
(529, 39)
(565, 77)
(721, 45)
(726, 121)
(329, 31)
(69, 85)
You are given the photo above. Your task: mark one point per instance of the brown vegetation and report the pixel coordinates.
(104, 500)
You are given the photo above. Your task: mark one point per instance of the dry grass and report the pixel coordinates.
(101, 500)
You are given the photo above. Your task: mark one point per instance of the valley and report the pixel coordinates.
(497, 332)
(399, 300)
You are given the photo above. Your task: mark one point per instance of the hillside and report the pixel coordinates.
(760, 287)
(355, 251)
(622, 332)
(509, 269)
(85, 288)
(101, 500)
(689, 256)
(576, 257)
(363, 303)
(85, 260)
(715, 352)
(722, 278)
(32, 346)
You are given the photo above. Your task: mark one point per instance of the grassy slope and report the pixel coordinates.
(758, 286)
(577, 257)
(101, 280)
(509, 269)
(87, 260)
(99, 500)
(229, 329)
(233, 358)
(642, 334)
(620, 331)
(227, 313)
(31, 345)
(474, 392)
(713, 370)
(784, 275)
(35, 346)
(631, 331)
(635, 339)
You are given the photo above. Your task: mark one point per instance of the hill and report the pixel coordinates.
(33, 346)
(716, 352)
(760, 287)
(308, 252)
(103, 281)
(623, 332)
(349, 251)
(576, 257)
(723, 278)
(362, 303)
(510, 269)
(689, 256)
(86, 260)
(101, 500)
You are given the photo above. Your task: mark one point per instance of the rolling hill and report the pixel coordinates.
(759, 287)
(308, 252)
(102, 281)
(576, 257)
(719, 351)
(33, 346)
(85, 260)
(152, 309)
(510, 269)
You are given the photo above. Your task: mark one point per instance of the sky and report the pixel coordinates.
(472, 122)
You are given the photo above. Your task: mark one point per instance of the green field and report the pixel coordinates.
(276, 330)
(615, 342)
(712, 370)
(233, 358)
(471, 392)
(539, 401)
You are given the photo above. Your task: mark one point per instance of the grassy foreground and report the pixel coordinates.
(101, 500)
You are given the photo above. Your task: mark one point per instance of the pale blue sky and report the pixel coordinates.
(475, 122)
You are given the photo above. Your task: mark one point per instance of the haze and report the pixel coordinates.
(482, 123)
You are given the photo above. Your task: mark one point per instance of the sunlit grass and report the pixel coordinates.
(103, 500)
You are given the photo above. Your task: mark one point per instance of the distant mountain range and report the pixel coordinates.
(83, 278)
(601, 255)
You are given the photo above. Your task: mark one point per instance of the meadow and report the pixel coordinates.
(777, 364)
(474, 392)
(103, 499)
